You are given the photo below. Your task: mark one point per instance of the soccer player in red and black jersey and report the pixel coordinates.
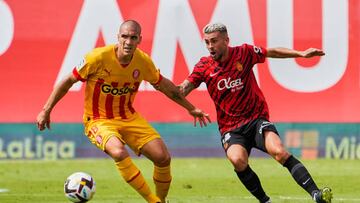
(242, 112)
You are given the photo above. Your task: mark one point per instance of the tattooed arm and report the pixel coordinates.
(186, 87)
(171, 91)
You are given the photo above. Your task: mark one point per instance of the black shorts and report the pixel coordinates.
(249, 135)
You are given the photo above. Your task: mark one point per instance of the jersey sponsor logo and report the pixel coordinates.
(81, 64)
(115, 91)
(229, 84)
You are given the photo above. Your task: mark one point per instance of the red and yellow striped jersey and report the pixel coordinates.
(110, 86)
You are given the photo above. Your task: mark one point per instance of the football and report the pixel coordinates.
(79, 187)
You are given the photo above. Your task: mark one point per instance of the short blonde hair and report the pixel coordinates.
(215, 27)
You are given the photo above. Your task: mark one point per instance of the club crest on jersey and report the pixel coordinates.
(136, 74)
(239, 66)
(81, 64)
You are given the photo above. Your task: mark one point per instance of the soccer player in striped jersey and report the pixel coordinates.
(242, 112)
(113, 74)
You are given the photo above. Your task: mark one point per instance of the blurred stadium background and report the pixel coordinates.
(314, 102)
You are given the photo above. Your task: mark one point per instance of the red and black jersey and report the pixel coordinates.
(233, 87)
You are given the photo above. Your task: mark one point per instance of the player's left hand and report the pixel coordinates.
(311, 52)
(43, 120)
(200, 116)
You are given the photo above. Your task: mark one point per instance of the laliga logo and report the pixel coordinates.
(226, 83)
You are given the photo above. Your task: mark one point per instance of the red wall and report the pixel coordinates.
(42, 32)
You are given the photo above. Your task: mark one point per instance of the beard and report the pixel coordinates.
(217, 56)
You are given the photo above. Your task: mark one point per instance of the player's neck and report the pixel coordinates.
(124, 60)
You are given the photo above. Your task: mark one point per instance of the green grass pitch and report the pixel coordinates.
(195, 180)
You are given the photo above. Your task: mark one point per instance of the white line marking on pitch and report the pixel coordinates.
(3, 190)
(336, 198)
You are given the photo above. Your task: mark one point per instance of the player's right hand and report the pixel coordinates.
(43, 120)
(200, 116)
(311, 52)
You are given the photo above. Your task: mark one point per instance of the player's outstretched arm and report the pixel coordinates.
(173, 92)
(281, 52)
(186, 87)
(43, 118)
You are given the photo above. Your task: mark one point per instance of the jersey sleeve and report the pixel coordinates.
(85, 68)
(152, 74)
(258, 54)
(197, 75)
